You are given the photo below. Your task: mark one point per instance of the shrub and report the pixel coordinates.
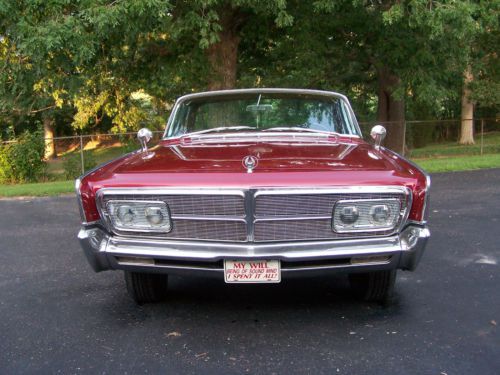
(5, 165)
(73, 164)
(23, 161)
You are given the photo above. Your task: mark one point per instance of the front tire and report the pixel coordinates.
(146, 287)
(375, 286)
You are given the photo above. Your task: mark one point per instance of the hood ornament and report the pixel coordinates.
(250, 162)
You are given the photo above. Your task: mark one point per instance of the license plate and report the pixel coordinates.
(255, 271)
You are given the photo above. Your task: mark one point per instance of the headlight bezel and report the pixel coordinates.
(140, 224)
(364, 211)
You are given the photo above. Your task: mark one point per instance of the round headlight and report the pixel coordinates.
(380, 213)
(125, 214)
(154, 215)
(349, 214)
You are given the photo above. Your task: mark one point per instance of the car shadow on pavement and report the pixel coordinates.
(216, 303)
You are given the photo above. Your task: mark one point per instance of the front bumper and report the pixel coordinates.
(402, 251)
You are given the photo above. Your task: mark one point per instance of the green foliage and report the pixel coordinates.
(6, 173)
(72, 164)
(22, 161)
(84, 62)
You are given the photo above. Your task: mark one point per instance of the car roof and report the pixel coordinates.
(209, 94)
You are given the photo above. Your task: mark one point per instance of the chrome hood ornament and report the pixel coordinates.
(250, 162)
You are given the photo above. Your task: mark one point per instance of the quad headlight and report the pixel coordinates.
(361, 215)
(148, 216)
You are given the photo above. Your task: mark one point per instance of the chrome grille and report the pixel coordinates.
(307, 216)
(293, 205)
(252, 215)
(193, 205)
(218, 217)
(274, 205)
(209, 230)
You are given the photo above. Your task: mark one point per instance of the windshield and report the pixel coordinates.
(262, 111)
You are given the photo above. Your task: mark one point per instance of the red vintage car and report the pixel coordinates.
(251, 186)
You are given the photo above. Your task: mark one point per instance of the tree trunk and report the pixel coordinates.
(223, 55)
(391, 111)
(467, 115)
(48, 134)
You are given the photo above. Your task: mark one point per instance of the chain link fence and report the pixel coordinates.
(440, 138)
(74, 155)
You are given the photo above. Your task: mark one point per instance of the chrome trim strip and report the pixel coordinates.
(186, 250)
(93, 223)
(414, 222)
(333, 190)
(318, 267)
(209, 218)
(78, 183)
(297, 137)
(170, 191)
(285, 218)
(250, 215)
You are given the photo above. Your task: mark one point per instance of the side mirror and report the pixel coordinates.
(144, 136)
(378, 134)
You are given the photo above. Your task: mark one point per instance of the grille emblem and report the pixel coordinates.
(250, 162)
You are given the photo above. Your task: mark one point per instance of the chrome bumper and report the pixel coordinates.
(402, 251)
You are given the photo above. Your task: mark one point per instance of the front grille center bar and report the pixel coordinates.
(250, 213)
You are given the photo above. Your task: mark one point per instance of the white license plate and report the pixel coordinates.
(255, 271)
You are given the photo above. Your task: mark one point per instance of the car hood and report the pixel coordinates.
(278, 164)
(271, 157)
(327, 164)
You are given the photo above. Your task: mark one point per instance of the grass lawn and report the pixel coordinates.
(491, 144)
(38, 189)
(459, 163)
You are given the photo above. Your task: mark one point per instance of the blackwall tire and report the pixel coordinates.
(377, 286)
(146, 287)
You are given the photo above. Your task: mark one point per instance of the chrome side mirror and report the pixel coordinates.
(144, 136)
(378, 134)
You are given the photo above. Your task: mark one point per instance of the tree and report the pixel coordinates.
(481, 78)
(220, 24)
(405, 44)
(60, 52)
(118, 65)
(467, 114)
(95, 55)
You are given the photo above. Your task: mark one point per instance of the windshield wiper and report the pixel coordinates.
(296, 128)
(220, 129)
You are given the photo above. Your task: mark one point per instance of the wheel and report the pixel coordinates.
(146, 287)
(375, 286)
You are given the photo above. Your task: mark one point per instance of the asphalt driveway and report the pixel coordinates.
(57, 315)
